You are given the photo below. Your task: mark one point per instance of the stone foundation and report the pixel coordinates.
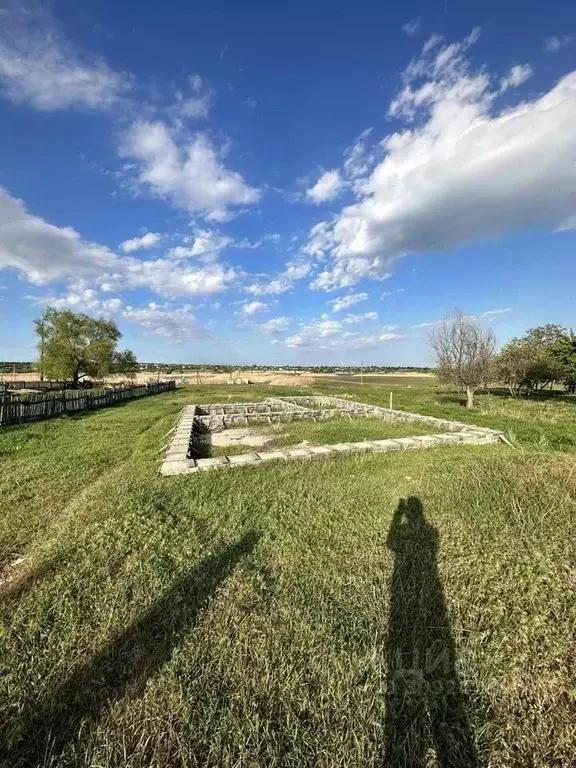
(194, 421)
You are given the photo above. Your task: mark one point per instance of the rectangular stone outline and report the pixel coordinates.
(177, 462)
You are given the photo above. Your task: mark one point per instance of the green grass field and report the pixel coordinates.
(340, 430)
(370, 610)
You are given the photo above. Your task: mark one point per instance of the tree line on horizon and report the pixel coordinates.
(72, 346)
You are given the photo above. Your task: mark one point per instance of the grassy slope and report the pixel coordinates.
(240, 618)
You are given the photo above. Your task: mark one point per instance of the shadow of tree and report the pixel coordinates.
(126, 663)
(425, 704)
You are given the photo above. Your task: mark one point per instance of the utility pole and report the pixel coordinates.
(361, 373)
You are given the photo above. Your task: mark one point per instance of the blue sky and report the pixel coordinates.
(298, 183)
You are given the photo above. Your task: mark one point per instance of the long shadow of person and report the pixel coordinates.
(123, 666)
(425, 704)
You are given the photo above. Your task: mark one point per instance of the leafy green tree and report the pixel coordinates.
(563, 350)
(544, 356)
(40, 330)
(125, 363)
(76, 345)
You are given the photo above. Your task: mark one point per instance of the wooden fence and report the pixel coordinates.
(17, 410)
(43, 386)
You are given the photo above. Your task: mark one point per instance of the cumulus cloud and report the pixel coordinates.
(554, 43)
(275, 326)
(166, 279)
(205, 244)
(345, 302)
(327, 188)
(319, 334)
(187, 171)
(149, 240)
(460, 170)
(44, 253)
(330, 335)
(412, 27)
(81, 298)
(39, 67)
(253, 307)
(351, 319)
(175, 324)
(294, 270)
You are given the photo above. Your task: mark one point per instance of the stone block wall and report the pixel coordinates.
(194, 421)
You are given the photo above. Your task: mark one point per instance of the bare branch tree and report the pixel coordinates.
(464, 353)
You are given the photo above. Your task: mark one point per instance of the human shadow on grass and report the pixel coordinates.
(124, 665)
(425, 703)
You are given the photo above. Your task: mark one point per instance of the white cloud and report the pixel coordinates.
(44, 253)
(517, 75)
(385, 294)
(253, 307)
(384, 336)
(191, 107)
(275, 326)
(177, 325)
(411, 27)
(358, 159)
(460, 171)
(165, 278)
(293, 271)
(149, 240)
(350, 319)
(432, 42)
(329, 335)
(490, 313)
(345, 302)
(39, 67)
(554, 43)
(188, 172)
(81, 298)
(327, 188)
(205, 244)
(316, 334)
(195, 82)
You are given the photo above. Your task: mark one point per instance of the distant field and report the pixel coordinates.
(269, 378)
(385, 380)
(280, 616)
